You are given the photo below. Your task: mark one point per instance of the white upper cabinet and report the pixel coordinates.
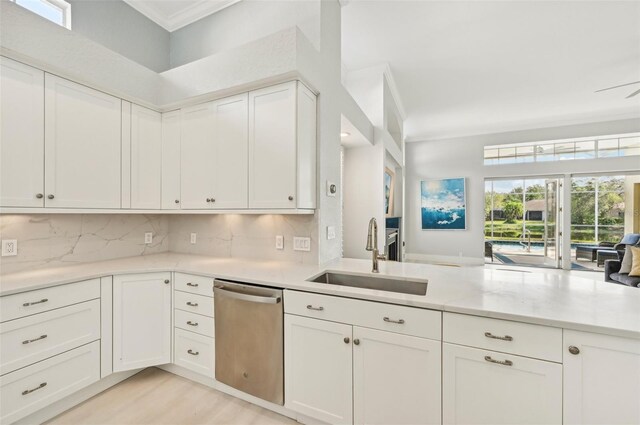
(171, 160)
(601, 379)
(196, 159)
(146, 158)
(230, 153)
(141, 320)
(21, 135)
(82, 146)
(282, 143)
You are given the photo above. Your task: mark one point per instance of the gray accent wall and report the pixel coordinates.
(121, 28)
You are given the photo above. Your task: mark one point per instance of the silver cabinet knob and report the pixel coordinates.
(50, 196)
(177, 201)
(290, 198)
(356, 341)
(39, 195)
(346, 340)
(574, 350)
(166, 281)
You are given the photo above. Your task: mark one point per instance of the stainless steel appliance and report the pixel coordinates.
(250, 339)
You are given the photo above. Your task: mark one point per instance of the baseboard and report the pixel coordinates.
(443, 259)
(76, 398)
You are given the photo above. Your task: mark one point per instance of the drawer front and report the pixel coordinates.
(193, 303)
(35, 338)
(203, 325)
(540, 342)
(195, 352)
(40, 300)
(199, 285)
(387, 317)
(29, 389)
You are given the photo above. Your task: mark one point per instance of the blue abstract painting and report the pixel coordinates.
(443, 204)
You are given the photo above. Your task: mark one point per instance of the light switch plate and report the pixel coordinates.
(331, 232)
(279, 242)
(9, 247)
(148, 237)
(193, 238)
(301, 244)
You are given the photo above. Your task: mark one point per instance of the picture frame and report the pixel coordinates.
(443, 204)
(389, 183)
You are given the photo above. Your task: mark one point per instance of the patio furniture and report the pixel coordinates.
(612, 274)
(488, 250)
(590, 252)
(603, 255)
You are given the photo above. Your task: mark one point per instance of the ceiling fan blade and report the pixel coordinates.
(615, 87)
(633, 94)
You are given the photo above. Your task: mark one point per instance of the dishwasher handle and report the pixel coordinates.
(239, 292)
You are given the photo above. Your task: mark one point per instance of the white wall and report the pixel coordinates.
(241, 23)
(463, 157)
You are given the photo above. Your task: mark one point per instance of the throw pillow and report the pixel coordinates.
(625, 267)
(635, 261)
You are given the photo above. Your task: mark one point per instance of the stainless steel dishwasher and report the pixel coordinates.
(249, 339)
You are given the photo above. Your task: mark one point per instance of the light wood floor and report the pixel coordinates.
(154, 396)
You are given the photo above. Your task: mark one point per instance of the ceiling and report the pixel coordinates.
(479, 67)
(175, 14)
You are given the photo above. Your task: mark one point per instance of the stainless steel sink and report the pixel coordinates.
(379, 283)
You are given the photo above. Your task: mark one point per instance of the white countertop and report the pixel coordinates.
(556, 298)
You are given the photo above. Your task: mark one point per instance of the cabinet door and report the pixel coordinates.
(171, 160)
(82, 146)
(141, 320)
(21, 135)
(197, 157)
(230, 156)
(146, 158)
(601, 381)
(478, 390)
(396, 378)
(272, 147)
(318, 370)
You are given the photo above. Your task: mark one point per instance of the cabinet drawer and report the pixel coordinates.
(195, 323)
(29, 389)
(541, 342)
(194, 303)
(387, 317)
(198, 285)
(34, 338)
(195, 352)
(32, 302)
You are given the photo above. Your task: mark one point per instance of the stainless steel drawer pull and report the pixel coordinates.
(25, 392)
(29, 341)
(399, 321)
(44, 300)
(310, 307)
(190, 323)
(193, 353)
(503, 338)
(189, 303)
(195, 285)
(505, 362)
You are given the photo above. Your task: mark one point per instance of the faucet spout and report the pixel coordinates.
(372, 244)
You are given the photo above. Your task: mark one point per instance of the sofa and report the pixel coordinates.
(612, 267)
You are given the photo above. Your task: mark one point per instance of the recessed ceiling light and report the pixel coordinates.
(345, 134)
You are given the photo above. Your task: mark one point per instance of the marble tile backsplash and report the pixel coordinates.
(243, 236)
(49, 240)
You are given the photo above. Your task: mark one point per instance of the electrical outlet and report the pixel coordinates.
(301, 244)
(279, 242)
(193, 238)
(9, 247)
(331, 232)
(148, 237)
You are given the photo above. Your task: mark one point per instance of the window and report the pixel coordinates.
(56, 11)
(563, 150)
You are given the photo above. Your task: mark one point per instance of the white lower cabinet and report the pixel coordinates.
(195, 352)
(396, 378)
(487, 387)
(141, 320)
(601, 379)
(318, 369)
(31, 388)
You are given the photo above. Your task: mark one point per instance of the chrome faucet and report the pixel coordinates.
(372, 244)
